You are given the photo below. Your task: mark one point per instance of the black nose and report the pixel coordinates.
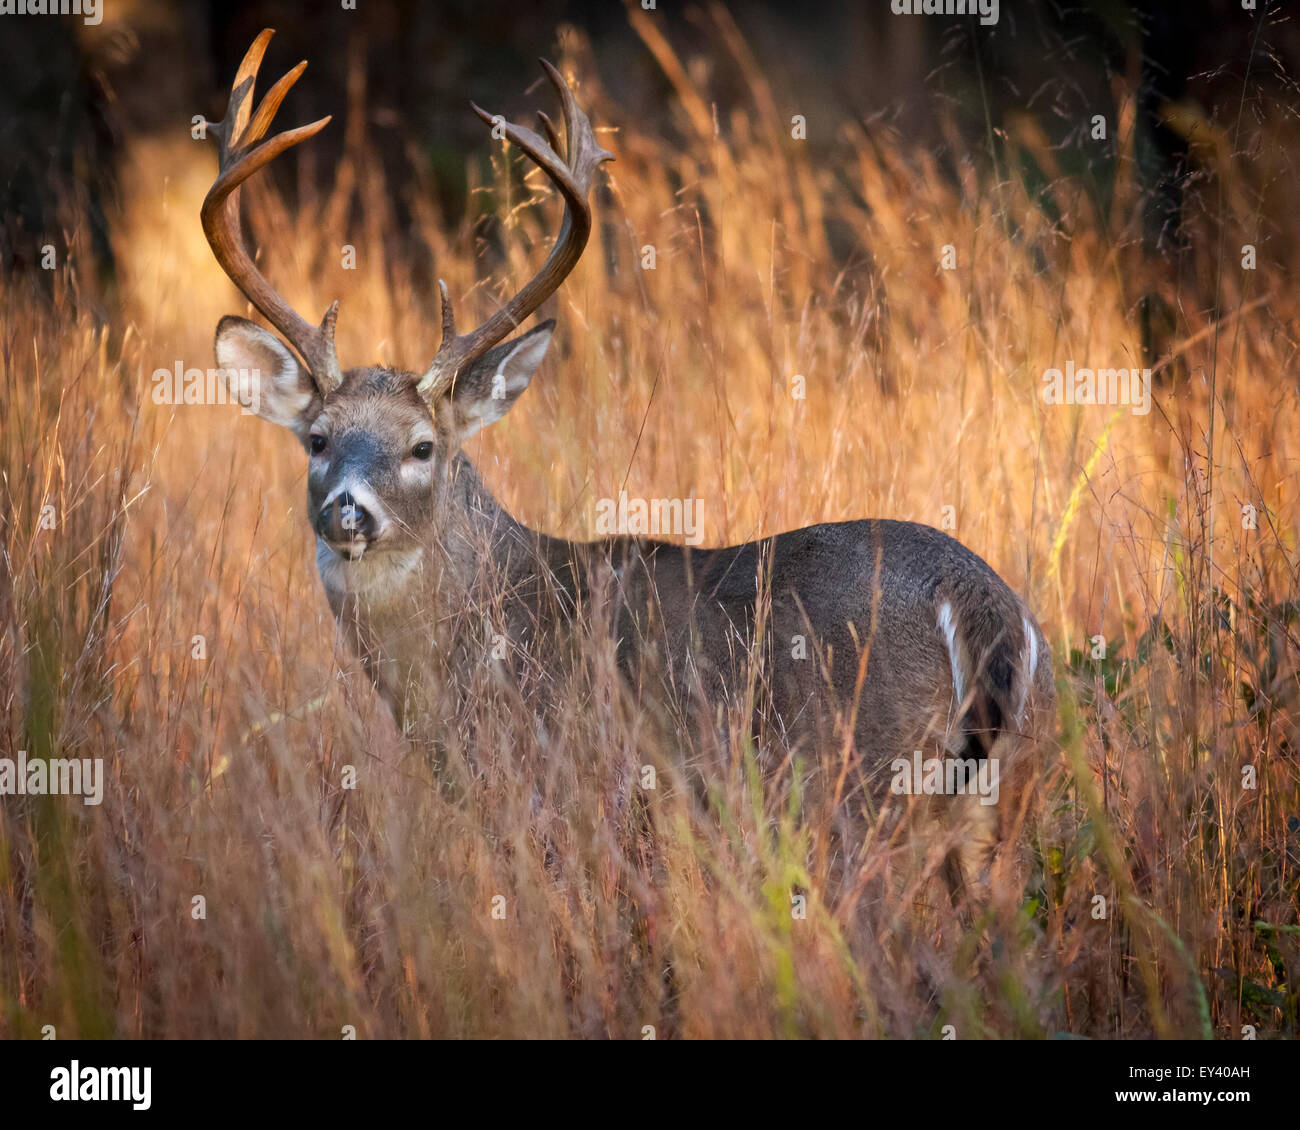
(344, 519)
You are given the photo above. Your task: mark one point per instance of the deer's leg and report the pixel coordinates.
(969, 863)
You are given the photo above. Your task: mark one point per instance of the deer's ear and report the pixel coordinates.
(262, 373)
(487, 389)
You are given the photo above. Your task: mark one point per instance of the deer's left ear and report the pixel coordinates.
(487, 389)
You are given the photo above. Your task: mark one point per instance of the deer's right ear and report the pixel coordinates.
(262, 373)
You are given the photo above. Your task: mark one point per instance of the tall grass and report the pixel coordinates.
(159, 607)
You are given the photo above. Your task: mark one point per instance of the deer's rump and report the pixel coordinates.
(953, 658)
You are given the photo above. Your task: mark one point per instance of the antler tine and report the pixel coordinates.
(448, 314)
(549, 127)
(241, 152)
(572, 174)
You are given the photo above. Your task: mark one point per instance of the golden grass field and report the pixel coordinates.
(372, 907)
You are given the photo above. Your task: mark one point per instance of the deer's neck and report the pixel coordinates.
(503, 577)
(479, 540)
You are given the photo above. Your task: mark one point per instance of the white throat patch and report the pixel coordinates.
(379, 577)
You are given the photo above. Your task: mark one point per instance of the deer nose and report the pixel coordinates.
(344, 519)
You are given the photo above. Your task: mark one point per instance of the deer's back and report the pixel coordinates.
(906, 594)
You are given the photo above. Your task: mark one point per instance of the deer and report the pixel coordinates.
(915, 641)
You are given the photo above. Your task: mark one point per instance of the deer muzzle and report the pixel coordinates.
(346, 525)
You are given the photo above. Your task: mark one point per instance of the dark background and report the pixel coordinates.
(70, 93)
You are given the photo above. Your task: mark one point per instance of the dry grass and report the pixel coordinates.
(372, 907)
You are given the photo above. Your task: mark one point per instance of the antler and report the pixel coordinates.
(238, 135)
(572, 175)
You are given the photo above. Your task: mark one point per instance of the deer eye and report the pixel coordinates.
(422, 450)
(317, 444)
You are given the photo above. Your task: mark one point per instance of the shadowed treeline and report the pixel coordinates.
(72, 96)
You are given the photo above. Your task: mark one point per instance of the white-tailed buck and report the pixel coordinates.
(912, 641)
